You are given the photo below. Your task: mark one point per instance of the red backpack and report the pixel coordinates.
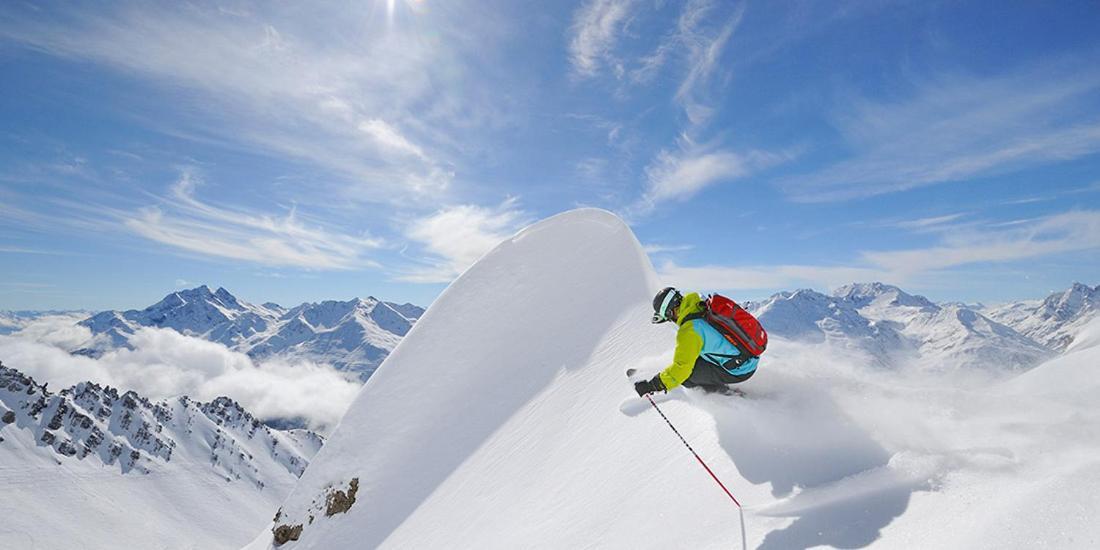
(736, 324)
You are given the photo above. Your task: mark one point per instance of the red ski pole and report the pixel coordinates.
(740, 510)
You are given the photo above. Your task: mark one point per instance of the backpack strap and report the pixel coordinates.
(694, 316)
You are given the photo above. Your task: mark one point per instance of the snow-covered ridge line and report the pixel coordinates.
(90, 422)
(894, 327)
(354, 335)
(1056, 320)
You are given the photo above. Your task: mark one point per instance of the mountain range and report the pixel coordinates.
(92, 451)
(1055, 321)
(354, 335)
(894, 327)
(883, 321)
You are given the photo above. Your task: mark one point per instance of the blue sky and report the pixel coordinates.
(294, 152)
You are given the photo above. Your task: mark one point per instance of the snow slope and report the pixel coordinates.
(498, 423)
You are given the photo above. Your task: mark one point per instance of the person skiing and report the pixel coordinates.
(704, 358)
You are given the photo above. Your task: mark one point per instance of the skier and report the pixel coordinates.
(704, 358)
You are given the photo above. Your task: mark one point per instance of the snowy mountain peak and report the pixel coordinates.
(355, 334)
(880, 294)
(895, 327)
(91, 466)
(93, 422)
(1073, 301)
(1054, 321)
(225, 296)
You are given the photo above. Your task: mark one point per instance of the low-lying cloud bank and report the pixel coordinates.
(165, 364)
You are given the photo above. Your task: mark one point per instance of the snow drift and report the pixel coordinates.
(498, 422)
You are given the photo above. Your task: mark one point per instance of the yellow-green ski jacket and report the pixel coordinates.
(696, 339)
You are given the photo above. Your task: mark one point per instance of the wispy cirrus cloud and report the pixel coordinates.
(720, 277)
(1076, 231)
(953, 128)
(184, 222)
(457, 236)
(1059, 233)
(595, 30)
(925, 223)
(698, 43)
(704, 51)
(365, 99)
(680, 175)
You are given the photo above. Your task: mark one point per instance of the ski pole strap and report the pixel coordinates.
(686, 444)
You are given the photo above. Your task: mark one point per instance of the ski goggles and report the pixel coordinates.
(672, 299)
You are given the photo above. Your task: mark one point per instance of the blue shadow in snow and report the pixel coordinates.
(800, 438)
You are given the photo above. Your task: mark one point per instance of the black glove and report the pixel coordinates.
(645, 387)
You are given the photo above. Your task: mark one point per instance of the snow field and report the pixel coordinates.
(497, 423)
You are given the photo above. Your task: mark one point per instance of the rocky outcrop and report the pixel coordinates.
(339, 501)
(287, 533)
(332, 501)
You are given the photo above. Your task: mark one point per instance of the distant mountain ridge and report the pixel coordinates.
(98, 423)
(355, 335)
(881, 320)
(14, 321)
(893, 326)
(91, 466)
(1055, 320)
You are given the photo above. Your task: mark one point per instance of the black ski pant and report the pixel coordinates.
(706, 373)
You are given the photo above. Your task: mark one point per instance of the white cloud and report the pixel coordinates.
(1060, 233)
(595, 30)
(678, 176)
(704, 52)
(59, 330)
(165, 363)
(955, 128)
(666, 248)
(186, 223)
(388, 136)
(717, 277)
(682, 176)
(930, 222)
(697, 44)
(459, 235)
(1067, 232)
(681, 173)
(330, 89)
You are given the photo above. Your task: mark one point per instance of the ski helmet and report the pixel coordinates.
(664, 303)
